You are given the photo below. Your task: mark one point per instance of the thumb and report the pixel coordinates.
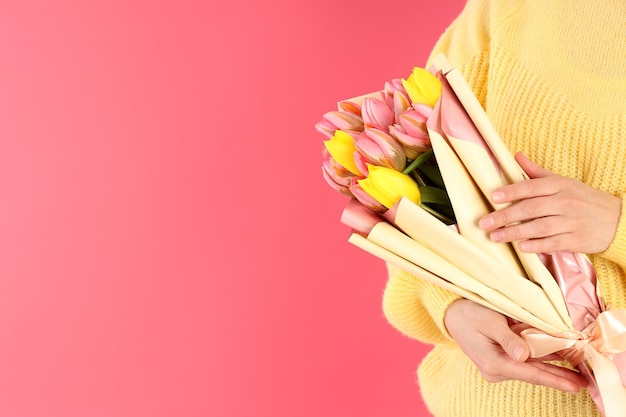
(533, 170)
(513, 345)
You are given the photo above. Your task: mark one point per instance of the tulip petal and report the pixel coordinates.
(350, 107)
(388, 186)
(344, 120)
(369, 186)
(422, 87)
(338, 187)
(376, 113)
(326, 128)
(341, 147)
(380, 148)
(366, 199)
(400, 103)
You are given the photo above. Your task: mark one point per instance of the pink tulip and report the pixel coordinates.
(326, 128)
(361, 163)
(414, 121)
(413, 146)
(401, 103)
(364, 198)
(396, 96)
(379, 148)
(343, 120)
(350, 107)
(335, 175)
(394, 85)
(376, 113)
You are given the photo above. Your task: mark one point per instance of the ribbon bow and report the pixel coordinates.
(603, 346)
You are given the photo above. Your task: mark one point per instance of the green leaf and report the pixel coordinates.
(418, 161)
(431, 171)
(436, 195)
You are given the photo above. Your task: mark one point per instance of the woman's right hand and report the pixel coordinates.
(499, 353)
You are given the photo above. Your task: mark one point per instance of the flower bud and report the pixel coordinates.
(380, 148)
(341, 147)
(364, 198)
(343, 120)
(376, 113)
(388, 186)
(336, 176)
(422, 87)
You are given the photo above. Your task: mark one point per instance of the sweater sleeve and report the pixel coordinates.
(417, 308)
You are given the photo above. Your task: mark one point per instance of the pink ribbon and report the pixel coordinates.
(603, 346)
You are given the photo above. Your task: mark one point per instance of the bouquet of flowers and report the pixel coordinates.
(418, 159)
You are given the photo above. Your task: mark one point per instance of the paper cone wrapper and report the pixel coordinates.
(390, 238)
(452, 248)
(490, 150)
(468, 202)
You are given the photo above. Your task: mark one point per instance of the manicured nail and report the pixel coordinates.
(524, 246)
(497, 236)
(497, 196)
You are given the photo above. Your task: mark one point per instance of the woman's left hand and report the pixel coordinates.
(550, 212)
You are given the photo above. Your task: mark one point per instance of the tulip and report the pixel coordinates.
(400, 103)
(326, 128)
(379, 148)
(364, 198)
(350, 107)
(392, 86)
(414, 121)
(344, 120)
(388, 186)
(341, 147)
(413, 146)
(336, 176)
(376, 113)
(396, 96)
(422, 87)
(360, 162)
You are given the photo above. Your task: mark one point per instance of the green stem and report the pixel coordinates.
(417, 176)
(418, 161)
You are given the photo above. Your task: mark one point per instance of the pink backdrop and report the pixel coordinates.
(169, 247)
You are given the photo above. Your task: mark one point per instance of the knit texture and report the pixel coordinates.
(552, 79)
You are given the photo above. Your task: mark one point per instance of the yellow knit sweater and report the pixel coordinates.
(552, 77)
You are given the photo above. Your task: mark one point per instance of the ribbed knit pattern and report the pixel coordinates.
(552, 77)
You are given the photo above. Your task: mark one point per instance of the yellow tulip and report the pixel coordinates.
(422, 87)
(388, 186)
(342, 149)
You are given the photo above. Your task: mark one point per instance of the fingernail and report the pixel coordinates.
(517, 353)
(524, 246)
(486, 222)
(497, 196)
(497, 236)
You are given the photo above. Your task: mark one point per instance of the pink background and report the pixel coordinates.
(169, 247)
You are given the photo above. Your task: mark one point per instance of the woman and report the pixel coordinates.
(552, 78)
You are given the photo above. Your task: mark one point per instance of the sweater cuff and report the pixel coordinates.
(437, 300)
(416, 307)
(616, 252)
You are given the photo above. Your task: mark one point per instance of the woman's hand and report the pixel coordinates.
(499, 353)
(550, 212)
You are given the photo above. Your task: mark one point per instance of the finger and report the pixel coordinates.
(560, 371)
(564, 241)
(521, 211)
(536, 229)
(510, 342)
(535, 187)
(539, 373)
(532, 170)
